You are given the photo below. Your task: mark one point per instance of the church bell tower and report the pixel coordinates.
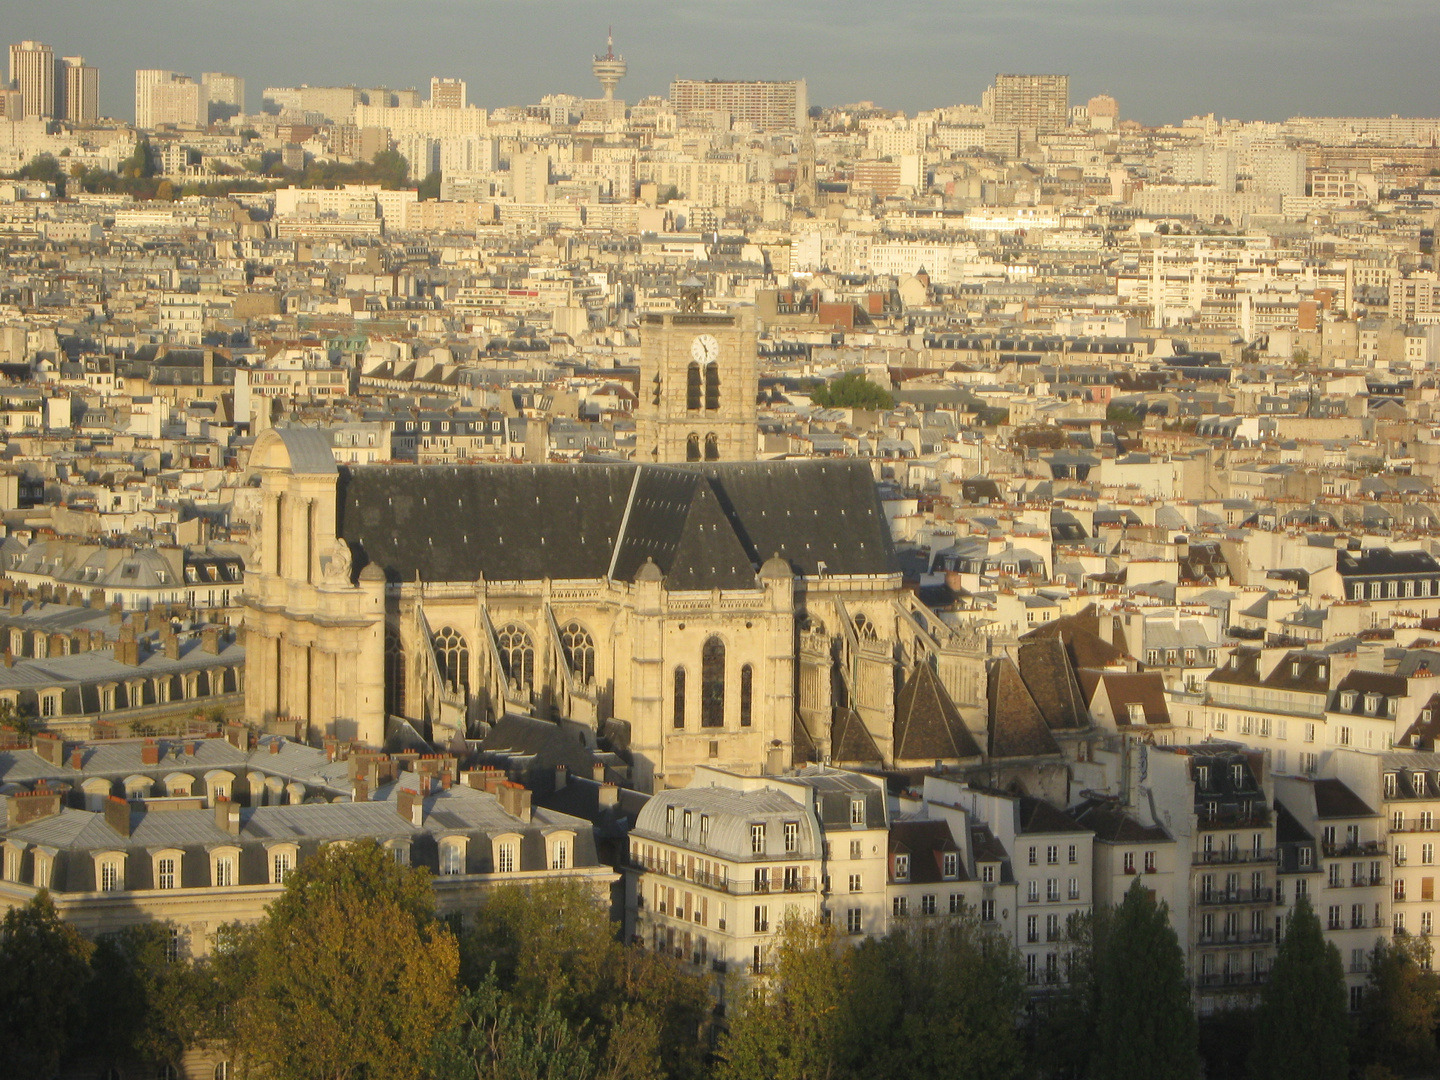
(698, 383)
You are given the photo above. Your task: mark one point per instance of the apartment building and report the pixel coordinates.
(1349, 884)
(1216, 797)
(1038, 102)
(765, 106)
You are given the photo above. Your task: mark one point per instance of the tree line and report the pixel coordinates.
(354, 973)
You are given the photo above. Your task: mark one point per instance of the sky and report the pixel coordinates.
(1164, 60)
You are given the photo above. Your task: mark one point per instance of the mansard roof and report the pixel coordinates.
(704, 527)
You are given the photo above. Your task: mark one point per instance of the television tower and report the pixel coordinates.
(609, 69)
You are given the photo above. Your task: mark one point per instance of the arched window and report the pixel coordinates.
(394, 674)
(517, 654)
(453, 655)
(579, 651)
(712, 683)
(747, 675)
(692, 387)
(712, 447)
(864, 629)
(692, 447)
(679, 697)
(712, 387)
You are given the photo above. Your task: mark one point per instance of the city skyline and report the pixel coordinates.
(1294, 58)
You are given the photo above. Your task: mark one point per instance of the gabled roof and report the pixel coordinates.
(926, 842)
(1333, 799)
(1016, 727)
(704, 527)
(928, 726)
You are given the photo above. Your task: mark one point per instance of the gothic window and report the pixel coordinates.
(692, 447)
(395, 674)
(864, 628)
(453, 656)
(692, 387)
(579, 652)
(746, 678)
(712, 387)
(517, 654)
(712, 683)
(712, 447)
(679, 697)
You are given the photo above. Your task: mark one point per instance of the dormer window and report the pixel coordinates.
(1417, 780)
(1137, 712)
(1202, 775)
(857, 811)
(902, 867)
(1295, 669)
(951, 867)
(1234, 661)
(1237, 774)
(1389, 785)
(1347, 700)
(1372, 704)
(1320, 671)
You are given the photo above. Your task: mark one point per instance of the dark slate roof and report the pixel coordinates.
(985, 845)
(1047, 674)
(1016, 726)
(1039, 816)
(851, 741)
(926, 842)
(1113, 824)
(1383, 561)
(928, 726)
(803, 751)
(1080, 633)
(704, 527)
(1334, 800)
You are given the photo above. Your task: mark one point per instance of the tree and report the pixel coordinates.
(552, 949)
(1064, 1029)
(145, 1005)
(1301, 1031)
(43, 972)
(349, 974)
(787, 1025)
(1401, 1007)
(429, 187)
(496, 1040)
(852, 391)
(936, 997)
(1145, 1025)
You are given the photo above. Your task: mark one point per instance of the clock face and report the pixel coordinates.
(705, 349)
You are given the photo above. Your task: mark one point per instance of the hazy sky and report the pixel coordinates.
(1163, 59)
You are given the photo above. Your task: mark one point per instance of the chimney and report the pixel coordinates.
(9, 658)
(275, 744)
(235, 735)
(172, 646)
(562, 776)
(17, 604)
(227, 816)
(597, 772)
(28, 806)
(150, 753)
(77, 759)
(117, 815)
(210, 640)
(410, 805)
(515, 800)
(609, 795)
(50, 748)
(359, 790)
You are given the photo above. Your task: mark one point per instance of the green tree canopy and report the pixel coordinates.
(1303, 1028)
(787, 1025)
(349, 974)
(938, 998)
(43, 972)
(1401, 1007)
(852, 391)
(551, 950)
(1145, 1025)
(429, 187)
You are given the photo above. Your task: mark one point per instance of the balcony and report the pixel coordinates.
(1237, 896)
(1217, 979)
(1225, 856)
(1238, 937)
(1358, 848)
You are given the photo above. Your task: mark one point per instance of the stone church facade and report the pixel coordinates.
(709, 614)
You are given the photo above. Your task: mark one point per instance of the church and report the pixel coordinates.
(691, 607)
